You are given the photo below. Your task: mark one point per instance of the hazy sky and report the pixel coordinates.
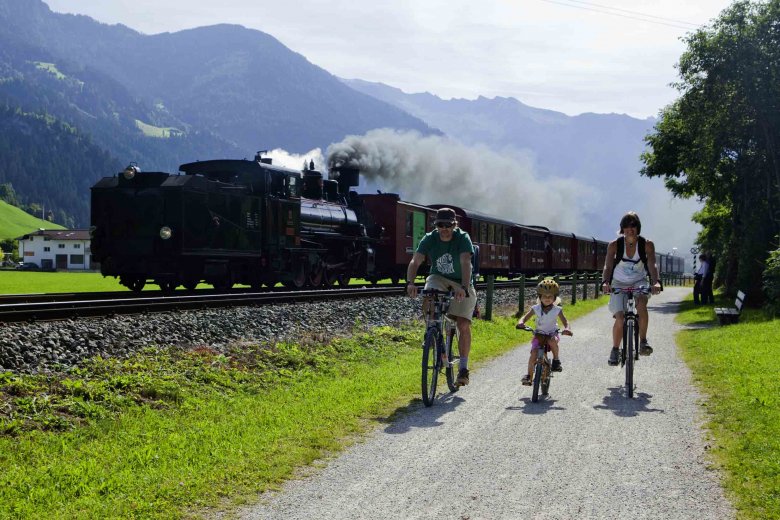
(567, 55)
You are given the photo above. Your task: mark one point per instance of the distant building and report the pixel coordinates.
(67, 249)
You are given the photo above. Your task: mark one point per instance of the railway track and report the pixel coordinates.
(58, 306)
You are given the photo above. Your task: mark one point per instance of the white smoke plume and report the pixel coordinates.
(435, 169)
(296, 162)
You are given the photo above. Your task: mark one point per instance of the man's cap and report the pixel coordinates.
(445, 215)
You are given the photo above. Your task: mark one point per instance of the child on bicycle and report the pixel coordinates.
(547, 311)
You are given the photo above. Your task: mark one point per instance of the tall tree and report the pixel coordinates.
(719, 141)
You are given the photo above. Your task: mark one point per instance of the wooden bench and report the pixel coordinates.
(728, 315)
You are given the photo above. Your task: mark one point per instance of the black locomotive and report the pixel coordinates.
(227, 222)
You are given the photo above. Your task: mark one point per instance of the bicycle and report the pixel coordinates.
(543, 366)
(440, 346)
(629, 353)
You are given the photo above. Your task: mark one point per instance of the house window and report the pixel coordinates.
(76, 246)
(77, 259)
(46, 249)
(61, 246)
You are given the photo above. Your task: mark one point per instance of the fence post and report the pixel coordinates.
(521, 302)
(584, 286)
(574, 288)
(489, 297)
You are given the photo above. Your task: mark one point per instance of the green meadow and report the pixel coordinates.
(14, 222)
(737, 367)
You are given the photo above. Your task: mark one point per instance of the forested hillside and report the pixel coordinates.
(50, 164)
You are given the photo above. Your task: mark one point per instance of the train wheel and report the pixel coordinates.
(222, 284)
(167, 287)
(190, 284)
(299, 277)
(316, 275)
(136, 285)
(344, 279)
(331, 274)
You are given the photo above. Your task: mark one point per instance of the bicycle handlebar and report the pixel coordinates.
(565, 332)
(437, 292)
(642, 289)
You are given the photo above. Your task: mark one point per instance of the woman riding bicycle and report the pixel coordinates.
(630, 259)
(547, 311)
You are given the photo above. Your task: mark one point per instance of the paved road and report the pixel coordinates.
(488, 452)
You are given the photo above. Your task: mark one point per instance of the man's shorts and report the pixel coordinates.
(618, 302)
(463, 309)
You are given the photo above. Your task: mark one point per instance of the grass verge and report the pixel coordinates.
(737, 367)
(170, 432)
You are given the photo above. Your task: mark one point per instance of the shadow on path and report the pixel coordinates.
(618, 403)
(415, 415)
(542, 406)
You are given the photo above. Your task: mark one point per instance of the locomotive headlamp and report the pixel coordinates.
(130, 171)
(165, 232)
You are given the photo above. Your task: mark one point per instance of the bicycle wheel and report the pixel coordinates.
(430, 366)
(453, 355)
(630, 358)
(537, 381)
(546, 378)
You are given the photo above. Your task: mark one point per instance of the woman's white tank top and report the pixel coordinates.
(630, 270)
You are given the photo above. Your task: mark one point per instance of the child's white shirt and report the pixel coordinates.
(546, 322)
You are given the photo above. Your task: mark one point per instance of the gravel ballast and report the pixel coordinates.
(51, 346)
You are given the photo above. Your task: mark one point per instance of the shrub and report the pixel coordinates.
(771, 284)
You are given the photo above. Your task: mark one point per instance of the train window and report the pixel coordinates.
(483, 232)
(491, 234)
(409, 222)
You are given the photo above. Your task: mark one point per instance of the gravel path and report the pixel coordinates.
(488, 452)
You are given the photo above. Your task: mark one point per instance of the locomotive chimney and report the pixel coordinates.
(346, 176)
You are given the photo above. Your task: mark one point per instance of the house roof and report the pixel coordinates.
(58, 234)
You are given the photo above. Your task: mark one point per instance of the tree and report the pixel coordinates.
(719, 141)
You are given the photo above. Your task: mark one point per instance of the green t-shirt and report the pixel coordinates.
(445, 256)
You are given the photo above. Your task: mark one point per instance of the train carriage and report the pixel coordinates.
(528, 250)
(399, 226)
(585, 253)
(561, 248)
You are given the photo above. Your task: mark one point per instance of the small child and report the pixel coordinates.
(547, 311)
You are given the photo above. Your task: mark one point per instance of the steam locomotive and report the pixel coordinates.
(250, 222)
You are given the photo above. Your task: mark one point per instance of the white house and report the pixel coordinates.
(57, 249)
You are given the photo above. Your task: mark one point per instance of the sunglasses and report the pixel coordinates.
(445, 225)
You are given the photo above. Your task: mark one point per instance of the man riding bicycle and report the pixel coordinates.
(450, 250)
(630, 259)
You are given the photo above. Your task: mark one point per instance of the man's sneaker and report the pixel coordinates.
(613, 357)
(556, 365)
(644, 348)
(463, 377)
(526, 381)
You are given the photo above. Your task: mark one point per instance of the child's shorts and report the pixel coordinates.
(535, 342)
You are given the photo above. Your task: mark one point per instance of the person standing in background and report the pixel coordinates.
(699, 296)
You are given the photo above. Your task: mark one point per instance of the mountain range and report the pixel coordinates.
(110, 95)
